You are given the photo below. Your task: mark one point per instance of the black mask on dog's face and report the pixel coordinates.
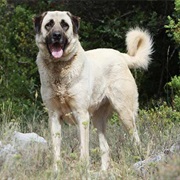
(55, 27)
(56, 42)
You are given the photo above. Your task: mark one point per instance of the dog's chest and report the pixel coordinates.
(60, 89)
(64, 100)
(58, 78)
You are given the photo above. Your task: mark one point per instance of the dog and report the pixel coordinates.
(78, 86)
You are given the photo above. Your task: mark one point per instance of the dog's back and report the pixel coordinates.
(139, 47)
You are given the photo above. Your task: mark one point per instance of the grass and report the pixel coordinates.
(156, 129)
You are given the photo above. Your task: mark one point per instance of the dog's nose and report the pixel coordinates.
(56, 35)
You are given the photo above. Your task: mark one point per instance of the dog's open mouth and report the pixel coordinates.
(56, 50)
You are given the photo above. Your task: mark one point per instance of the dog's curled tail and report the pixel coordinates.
(139, 46)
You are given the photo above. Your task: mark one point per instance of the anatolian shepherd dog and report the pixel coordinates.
(78, 85)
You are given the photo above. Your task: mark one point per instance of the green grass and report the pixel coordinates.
(157, 129)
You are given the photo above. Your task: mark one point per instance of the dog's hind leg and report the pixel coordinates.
(99, 121)
(124, 100)
(128, 120)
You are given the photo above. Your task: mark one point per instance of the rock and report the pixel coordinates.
(23, 148)
(7, 153)
(7, 149)
(26, 139)
(29, 145)
(141, 166)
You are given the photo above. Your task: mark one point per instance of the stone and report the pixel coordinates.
(7, 153)
(141, 166)
(24, 147)
(26, 139)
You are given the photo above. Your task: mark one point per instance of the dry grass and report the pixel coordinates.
(155, 138)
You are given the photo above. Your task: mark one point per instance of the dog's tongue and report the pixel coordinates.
(57, 52)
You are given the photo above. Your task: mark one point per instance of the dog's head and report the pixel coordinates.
(55, 32)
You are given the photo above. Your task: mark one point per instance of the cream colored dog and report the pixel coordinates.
(77, 86)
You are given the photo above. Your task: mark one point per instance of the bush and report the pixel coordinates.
(173, 28)
(18, 72)
(174, 87)
(173, 31)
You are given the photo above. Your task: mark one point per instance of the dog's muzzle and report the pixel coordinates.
(56, 43)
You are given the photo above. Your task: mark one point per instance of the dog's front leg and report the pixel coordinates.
(83, 123)
(56, 137)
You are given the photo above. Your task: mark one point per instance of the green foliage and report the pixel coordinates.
(114, 119)
(177, 103)
(17, 60)
(162, 116)
(157, 117)
(173, 28)
(174, 86)
(25, 112)
(109, 31)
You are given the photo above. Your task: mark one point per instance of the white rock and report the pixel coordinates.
(27, 146)
(6, 149)
(142, 165)
(24, 139)
(6, 153)
(139, 166)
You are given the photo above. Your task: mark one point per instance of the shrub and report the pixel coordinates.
(18, 70)
(173, 31)
(174, 86)
(173, 28)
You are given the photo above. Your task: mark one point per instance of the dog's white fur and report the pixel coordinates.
(91, 85)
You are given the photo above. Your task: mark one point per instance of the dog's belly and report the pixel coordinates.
(96, 105)
(98, 96)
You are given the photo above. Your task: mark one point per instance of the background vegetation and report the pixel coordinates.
(103, 24)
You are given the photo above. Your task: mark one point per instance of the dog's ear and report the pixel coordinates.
(75, 21)
(38, 21)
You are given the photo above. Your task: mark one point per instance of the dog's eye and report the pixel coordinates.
(49, 25)
(64, 25)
